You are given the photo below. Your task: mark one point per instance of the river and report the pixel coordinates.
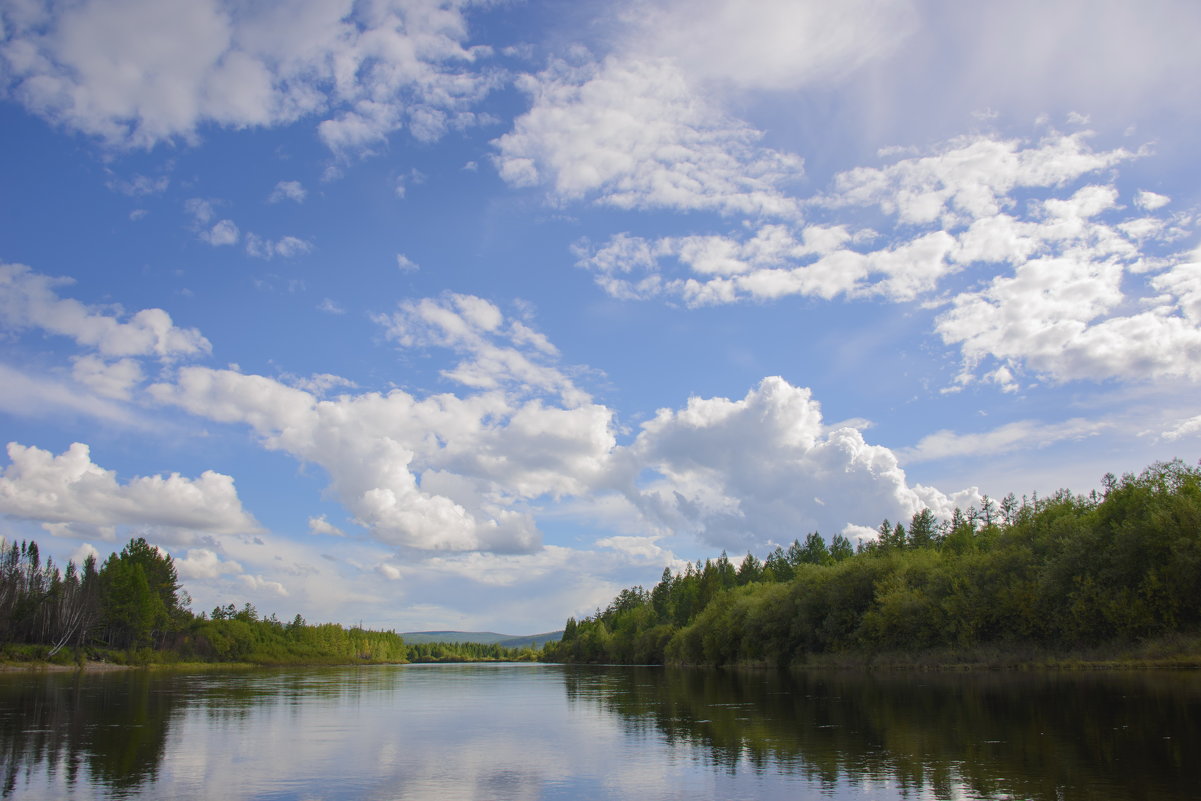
(513, 732)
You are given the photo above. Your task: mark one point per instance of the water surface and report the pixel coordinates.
(551, 732)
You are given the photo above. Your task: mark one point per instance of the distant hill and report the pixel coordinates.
(504, 640)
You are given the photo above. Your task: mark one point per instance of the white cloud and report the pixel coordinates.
(319, 525)
(39, 396)
(1151, 200)
(139, 72)
(474, 472)
(203, 564)
(81, 554)
(29, 300)
(223, 232)
(1185, 428)
(320, 384)
(109, 379)
(969, 178)
(442, 473)
(498, 353)
(1011, 437)
(1182, 283)
(71, 494)
(261, 585)
(200, 209)
(405, 264)
(633, 134)
(1055, 315)
(961, 193)
(504, 570)
(1066, 270)
(287, 247)
(642, 548)
(288, 190)
(729, 471)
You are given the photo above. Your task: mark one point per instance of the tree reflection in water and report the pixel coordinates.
(110, 725)
(1054, 736)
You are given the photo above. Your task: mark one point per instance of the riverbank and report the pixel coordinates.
(89, 666)
(93, 666)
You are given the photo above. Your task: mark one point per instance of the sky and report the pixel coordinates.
(438, 314)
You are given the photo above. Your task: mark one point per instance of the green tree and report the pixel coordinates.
(130, 608)
(814, 551)
(750, 571)
(922, 529)
(841, 548)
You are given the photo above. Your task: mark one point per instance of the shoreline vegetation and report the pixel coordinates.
(132, 611)
(1104, 580)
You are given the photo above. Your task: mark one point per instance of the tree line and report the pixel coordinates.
(1065, 571)
(133, 608)
(133, 600)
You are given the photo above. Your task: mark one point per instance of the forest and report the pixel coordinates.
(133, 610)
(1068, 572)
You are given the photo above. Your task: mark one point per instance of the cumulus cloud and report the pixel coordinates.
(69, 493)
(29, 300)
(443, 472)
(288, 190)
(139, 72)
(631, 133)
(740, 473)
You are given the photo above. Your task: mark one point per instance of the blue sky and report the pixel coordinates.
(467, 315)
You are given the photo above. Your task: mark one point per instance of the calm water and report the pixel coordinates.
(451, 732)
